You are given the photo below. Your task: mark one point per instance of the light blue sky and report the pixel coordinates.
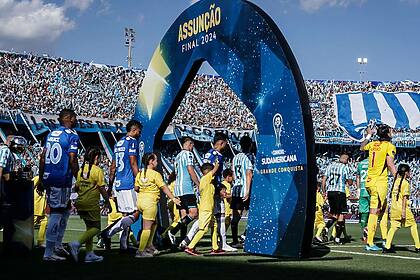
(326, 36)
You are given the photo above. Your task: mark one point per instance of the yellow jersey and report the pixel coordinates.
(397, 196)
(206, 193)
(40, 201)
(151, 184)
(89, 195)
(378, 150)
(228, 210)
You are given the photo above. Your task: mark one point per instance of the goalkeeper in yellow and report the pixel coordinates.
(401, 215)
(148, 185)
(381, 159)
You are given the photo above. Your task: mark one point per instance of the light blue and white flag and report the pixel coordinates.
(355, 110)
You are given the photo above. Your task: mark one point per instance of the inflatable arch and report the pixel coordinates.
(246, 48)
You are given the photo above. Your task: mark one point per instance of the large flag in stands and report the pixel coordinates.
(355, 110)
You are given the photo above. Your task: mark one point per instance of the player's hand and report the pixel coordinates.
(403, 217)
(369, 130)
(177, 201)
(246, 197)
(108, 206)
(136, 188)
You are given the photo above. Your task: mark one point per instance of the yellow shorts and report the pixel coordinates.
(378, 191)
(204, 219)
(147, 206)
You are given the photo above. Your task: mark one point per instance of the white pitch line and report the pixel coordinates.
(375, 255)
(74, 229)
(362, 246)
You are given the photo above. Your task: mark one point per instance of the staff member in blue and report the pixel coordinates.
(57, 167)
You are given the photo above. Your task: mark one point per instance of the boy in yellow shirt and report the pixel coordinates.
(401, 215)
(319, 224)
(205, 209)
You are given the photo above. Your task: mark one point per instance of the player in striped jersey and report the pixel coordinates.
(334, 184)
(381, 159)
(242, 173)
(184, 189)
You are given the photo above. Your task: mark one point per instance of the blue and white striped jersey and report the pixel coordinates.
(183, 183)
(240, 164)
(337, 173)
(6, 159)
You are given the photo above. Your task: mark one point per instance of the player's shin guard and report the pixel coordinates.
(223, 231)
(384, 225)
(331, 222)
(193, 231)
(122, 224)
(364, 220)
(183, 222)
(372, 223)
(144, 239)
(389, 237)
(52, 232)
(339, 227)
(62, 228)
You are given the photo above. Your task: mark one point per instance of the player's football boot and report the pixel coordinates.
(417, 250)
(217, 252)
(53, 258)
(61, 251)
(171, 237)
(192, 252)
(91, 257)
(228, 248)
(372, 248)
(143, 254)
(152, 250)
(387, 251)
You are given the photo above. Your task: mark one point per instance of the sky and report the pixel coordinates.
(326, 36)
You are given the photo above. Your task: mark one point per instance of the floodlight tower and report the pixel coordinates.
(362, 61)
(129, 42)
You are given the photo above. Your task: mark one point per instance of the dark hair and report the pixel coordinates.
(227, 172)
(344, 153)
(402, 169)
(186, 139)
(145, 161)
(65, 113)
(171, 177)
(383, 132)
(246, 143)
(89, 158)
(133, 123)
(219, 136)
(206, 166)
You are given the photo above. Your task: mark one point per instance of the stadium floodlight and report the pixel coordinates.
(362, 61)
(129, 35)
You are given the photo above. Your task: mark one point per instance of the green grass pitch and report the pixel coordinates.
(349, 261)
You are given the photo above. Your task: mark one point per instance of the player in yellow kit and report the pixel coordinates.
(148, 185)
(319, 224)
(40, 213)
(90, 184)
(401, 215)
(381, 159)
(171, 205)
(205, 209)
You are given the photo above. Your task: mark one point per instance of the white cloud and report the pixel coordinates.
(81, 5)
(23, 23)
(314, 5)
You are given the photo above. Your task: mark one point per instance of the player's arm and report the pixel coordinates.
(168, 192)
(324, 181)
(391, 165)
(193, 175)
(74, 164)
(134, 166)
(216, 167)
(367, 138)
(105, 196)
(404, 207)
(249, 175)
(112, 170)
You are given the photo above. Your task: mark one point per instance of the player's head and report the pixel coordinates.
(220, 141)
(67, 118)
(187, 143)
(206, 168)
(228, 175)
(133, 128)
(403, 170)
(246, 144)
(18, 144)
(384, 132)
(220, 190)
(149, 160)
(344, 157)
(350, 182)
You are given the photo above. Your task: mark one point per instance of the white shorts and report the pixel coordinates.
(58, 197)
(126, 201)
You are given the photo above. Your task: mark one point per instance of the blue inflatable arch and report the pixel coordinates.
(245, 47)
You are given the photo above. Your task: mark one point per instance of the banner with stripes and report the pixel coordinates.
(355, 110)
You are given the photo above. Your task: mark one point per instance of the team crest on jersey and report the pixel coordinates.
(56, 133)
(278, 127)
